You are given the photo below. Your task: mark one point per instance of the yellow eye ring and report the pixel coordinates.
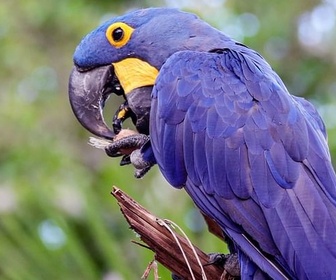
(118, 34)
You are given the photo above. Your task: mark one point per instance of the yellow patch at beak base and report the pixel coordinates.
(134, 73)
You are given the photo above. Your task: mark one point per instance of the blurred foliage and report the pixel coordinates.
(58, 220)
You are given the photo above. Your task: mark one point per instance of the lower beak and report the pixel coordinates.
(87, 93)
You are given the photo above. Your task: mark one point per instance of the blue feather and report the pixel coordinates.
(255, 160)
(223, 126)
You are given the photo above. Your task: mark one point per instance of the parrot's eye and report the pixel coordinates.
(118, 34)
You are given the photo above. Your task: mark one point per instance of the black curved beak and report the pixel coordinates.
(88, 91)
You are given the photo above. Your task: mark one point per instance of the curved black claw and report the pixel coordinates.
(132, 143)
(229, 262)
(176, 277)
(125, 160)
(141, 165)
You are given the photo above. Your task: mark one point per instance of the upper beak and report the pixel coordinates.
(88, 91)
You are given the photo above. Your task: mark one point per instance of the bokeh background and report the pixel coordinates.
(57, 217)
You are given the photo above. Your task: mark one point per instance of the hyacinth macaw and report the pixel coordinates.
(220, 123)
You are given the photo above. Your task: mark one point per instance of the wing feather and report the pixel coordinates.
(251, 156)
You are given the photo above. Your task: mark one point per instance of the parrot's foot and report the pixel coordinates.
(229, 262)
(126, 145)
(130, 148)
(141, 165)
(176, 277)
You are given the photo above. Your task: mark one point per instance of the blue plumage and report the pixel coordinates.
(249, 164)
(223, 126)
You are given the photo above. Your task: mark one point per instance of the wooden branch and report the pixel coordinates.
(164, 241)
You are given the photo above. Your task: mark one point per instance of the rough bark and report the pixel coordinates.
(171, 249)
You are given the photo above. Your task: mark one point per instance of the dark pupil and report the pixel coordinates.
(117, 34)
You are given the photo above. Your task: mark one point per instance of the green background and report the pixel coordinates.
(57, 217)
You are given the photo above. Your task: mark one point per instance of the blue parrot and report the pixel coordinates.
(219, 123)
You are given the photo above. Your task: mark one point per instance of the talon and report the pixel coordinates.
(139, 173)
(217, 259)
(126, 159)
(176, 277)
(229, 262)
(141, 166)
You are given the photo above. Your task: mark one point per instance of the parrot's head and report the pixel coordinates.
(124, 56)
